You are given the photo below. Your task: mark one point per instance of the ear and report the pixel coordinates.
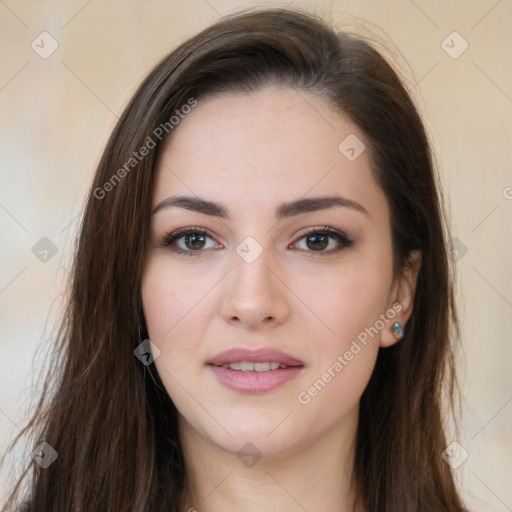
(402, 297)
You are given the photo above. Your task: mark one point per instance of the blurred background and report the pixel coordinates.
(68, 69)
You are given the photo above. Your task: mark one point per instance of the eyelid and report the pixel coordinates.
(340, 237)
(320, 229)
(171, 239)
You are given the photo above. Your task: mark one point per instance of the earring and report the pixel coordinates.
(398, 330)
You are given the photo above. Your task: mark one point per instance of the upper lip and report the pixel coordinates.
(261, 355)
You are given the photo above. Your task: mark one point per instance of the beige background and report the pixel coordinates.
(57, 112)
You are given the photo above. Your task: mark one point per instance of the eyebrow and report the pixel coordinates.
(285, 210)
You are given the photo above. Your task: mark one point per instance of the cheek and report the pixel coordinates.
(157, 296)
(169, 299)
(346, 342)
(346, 302)
(341, 369)
(176, 312)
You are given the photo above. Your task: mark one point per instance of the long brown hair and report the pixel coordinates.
(108, 416)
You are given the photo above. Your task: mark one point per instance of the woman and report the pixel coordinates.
(262, 313)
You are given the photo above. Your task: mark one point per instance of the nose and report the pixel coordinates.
(256, 295)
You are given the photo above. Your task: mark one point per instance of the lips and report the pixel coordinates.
(256, 370)
(262, 355)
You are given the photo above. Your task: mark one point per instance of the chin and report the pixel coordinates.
(255, 444)
(248, 434)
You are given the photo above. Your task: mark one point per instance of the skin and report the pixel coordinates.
(253, 152)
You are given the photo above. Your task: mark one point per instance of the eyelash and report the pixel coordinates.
(170, 239)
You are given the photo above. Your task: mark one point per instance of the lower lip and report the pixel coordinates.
(255, 382)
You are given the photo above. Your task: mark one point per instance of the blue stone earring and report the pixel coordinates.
(398, 330)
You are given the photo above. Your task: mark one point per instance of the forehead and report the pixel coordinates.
(259, 149)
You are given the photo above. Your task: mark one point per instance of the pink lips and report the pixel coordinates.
(261, 355)
(252, 381)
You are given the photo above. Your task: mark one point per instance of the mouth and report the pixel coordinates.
(247, 366)
(257, 371)
(260, 360)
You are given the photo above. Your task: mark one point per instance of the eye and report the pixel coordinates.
(317, 240)
(190, 241)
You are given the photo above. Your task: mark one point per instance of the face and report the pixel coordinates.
(257, 270)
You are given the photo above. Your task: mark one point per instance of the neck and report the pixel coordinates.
(314, 477)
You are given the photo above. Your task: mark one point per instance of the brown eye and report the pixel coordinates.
(317, 242)
(189, 241)
(194, 242)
